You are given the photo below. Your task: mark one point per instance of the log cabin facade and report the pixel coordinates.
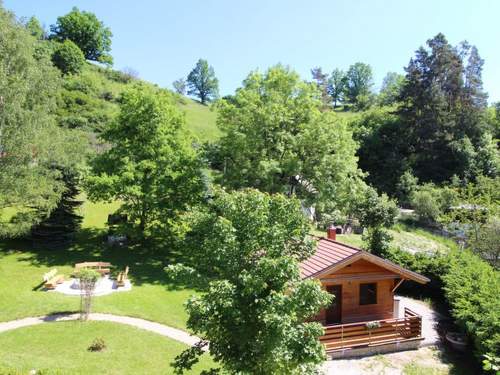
(364, 286)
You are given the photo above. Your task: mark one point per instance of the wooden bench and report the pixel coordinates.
(51, 279)
(122, 277)
(102, 267)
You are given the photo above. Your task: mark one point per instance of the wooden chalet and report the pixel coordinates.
(364, 316)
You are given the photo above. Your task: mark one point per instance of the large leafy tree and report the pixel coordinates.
(391, 88)
(87, 32)
(202, 82)
(30, 142)
(277, 140)
(358, 89)
(443, 112)
(336, 86)
(254, 313)
(151, 167)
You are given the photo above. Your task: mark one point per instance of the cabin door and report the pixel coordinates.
(334, 311)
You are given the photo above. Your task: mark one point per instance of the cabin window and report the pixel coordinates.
(368, 294)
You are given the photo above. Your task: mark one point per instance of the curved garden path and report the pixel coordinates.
(161, 329)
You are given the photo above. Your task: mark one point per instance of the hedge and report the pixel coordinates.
(471, 288)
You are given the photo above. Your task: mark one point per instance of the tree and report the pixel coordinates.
(443, 112)
(202, 82)
(359, 85)
(87, 279)
(391, 88)
(336, 86)
(277, 140)
(87, 32)
(375, 213)
(30, 142)
(406, 187)
(35, 28)
(180, 86)
(382, 147)
(487, 242)
(61, 225)
(151, 167)
(321, 80)
(249, 244)
(68, 57)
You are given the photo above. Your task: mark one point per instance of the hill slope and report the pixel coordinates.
(89, 101)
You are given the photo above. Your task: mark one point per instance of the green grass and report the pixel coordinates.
(61, 348)
(151, 297)
(416, 369)
(406, 237)
(200, 120)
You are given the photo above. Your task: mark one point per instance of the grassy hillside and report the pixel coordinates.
(90, 101)
(200, 120)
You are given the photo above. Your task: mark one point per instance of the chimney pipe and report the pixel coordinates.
(331, 233)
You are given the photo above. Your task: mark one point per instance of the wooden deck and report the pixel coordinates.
(355, 335)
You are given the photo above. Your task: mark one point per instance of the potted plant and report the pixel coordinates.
(457, 340)
(372, 325)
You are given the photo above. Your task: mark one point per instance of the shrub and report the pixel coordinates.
(68, 58)
(427, 207)
(472, 288)
(98, 345)
(431, 265)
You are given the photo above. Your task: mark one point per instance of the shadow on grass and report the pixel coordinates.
(146, 260)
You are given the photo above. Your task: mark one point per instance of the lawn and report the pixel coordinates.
(61, 348)
(152, 297)
(200, 119)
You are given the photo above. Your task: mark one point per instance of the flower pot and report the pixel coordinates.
(457, 341)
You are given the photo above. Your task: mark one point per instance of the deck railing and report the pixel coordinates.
(352, 335)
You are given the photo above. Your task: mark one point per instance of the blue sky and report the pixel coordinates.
(162, 40)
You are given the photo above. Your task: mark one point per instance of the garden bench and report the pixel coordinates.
(51, 279)
(122, 277)
(101, 267)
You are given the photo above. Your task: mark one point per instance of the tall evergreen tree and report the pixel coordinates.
(443, 109)
(321, 80)
(62, 223)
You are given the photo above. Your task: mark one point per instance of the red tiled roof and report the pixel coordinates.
(328, 253)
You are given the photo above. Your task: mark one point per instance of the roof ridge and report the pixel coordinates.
(341, 243)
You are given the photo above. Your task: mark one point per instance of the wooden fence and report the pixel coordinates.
(378, 332)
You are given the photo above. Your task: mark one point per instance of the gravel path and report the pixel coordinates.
(147, 325)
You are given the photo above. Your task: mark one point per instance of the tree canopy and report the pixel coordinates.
(202, 82)
(277, 140)
(151, 166)
(443, 111)
(359, 82)
(254, 312)
(30, 142)
(87, 32)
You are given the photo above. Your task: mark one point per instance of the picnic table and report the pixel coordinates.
(102, 267)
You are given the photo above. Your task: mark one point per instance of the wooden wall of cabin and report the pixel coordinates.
(362, 272)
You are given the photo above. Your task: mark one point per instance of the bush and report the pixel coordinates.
(431, 265)
(98, 345)
(68, 58)
(426, 206)
(472, 288)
